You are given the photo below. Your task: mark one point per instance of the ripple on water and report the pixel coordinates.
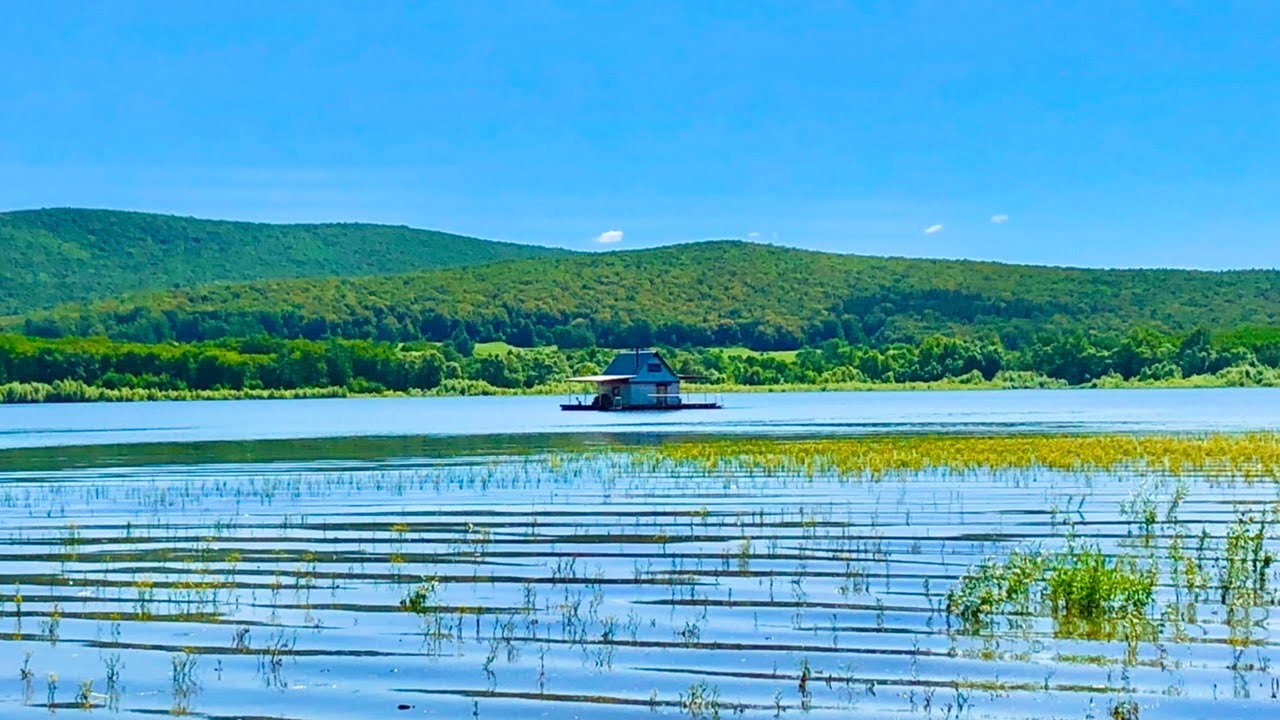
(557, 586)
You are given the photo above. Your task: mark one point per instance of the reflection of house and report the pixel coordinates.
(636, 380)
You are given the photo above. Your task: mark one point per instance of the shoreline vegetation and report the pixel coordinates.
(44, 370)
(75, 391)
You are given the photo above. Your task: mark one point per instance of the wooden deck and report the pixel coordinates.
(642, 408)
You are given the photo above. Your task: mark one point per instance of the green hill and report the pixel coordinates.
(706, 294)
(69, 255)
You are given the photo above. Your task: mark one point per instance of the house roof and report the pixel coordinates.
(631, 363)
(600, 378)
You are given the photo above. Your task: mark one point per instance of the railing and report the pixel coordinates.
(699, 398)
(690, 398)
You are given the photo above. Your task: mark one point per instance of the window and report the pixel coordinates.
(655, 367)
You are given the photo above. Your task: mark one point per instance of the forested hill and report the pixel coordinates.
(704, 294)
(69, 255)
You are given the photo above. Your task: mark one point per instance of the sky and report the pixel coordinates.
(1106, 134)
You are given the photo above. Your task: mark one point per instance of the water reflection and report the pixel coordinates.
(762, 413)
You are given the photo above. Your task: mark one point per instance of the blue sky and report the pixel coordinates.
(1108, 133)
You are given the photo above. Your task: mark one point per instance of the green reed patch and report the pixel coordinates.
(423, 600)
(996, 588)
(1087, 591)
(1249, 456)
(1083, 590)
(1243, 581)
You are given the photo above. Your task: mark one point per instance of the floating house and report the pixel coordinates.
(636, 380)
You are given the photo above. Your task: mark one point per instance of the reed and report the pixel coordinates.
(183, 682)
(1122, 564)
(1090, 593)
(701, 701)
(1249, 456)
(1243, 579)
(1086, 593)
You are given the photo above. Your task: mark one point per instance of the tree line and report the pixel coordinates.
(262, 363)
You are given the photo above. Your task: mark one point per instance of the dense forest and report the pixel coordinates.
(33, 369)
(68, 255)
(714, 294)
(317, 317)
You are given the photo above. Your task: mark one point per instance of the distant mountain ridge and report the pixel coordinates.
(62, 255)
(717, 293)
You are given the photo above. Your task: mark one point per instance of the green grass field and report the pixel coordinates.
(498, 347)
(743, 352)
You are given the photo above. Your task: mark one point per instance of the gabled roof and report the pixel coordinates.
(631, 363)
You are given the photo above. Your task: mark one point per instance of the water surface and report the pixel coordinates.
(585, 587)
(250, 559)
(1154, 410)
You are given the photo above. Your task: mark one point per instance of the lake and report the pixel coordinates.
(494, 557)
(1153, 410)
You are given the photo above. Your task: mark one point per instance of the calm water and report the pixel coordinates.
(264, 577)
(805, 413)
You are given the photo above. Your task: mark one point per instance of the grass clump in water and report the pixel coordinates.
(1087, 594)
(423, 599)
(996, 588)
(702, 701)
(1244, 573)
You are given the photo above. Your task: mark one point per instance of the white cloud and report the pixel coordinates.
(753, 235)
(933, 229)
(609, 237)
(1000, 219)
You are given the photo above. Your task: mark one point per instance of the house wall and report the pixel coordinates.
(641, 393)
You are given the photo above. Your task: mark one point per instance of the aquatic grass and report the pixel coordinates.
(84, 696)
(1251, 456)
(27, 676)
(996, 588)
(1087, 594)
(183, 683)
(423, 600)
(113, 665)
(1243, 579)
(1123, 710)
(561, 570)
(701, 701)
(1090, 594)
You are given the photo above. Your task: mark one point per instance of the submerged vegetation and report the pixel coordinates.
(1087, 594)
(930, 576)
